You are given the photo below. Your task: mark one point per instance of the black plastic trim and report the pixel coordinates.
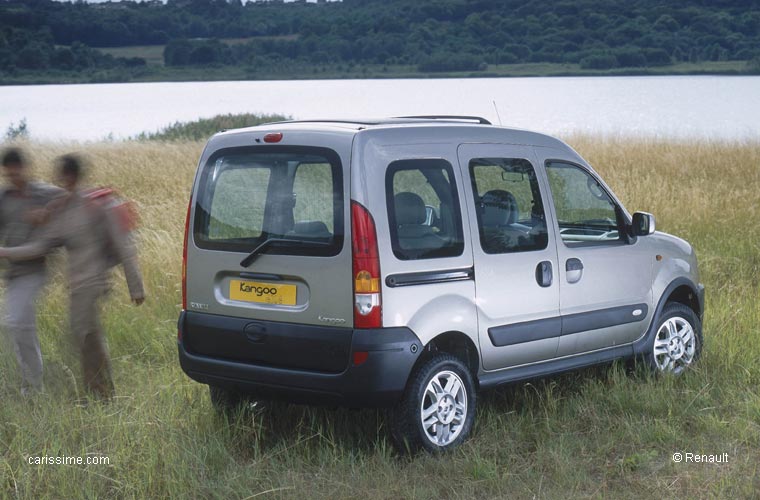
(479, 119)
(284, 345)
(429, 277)
(378, 382)
(642, 345)
(602, 318)
(701, 298)
(529, 331)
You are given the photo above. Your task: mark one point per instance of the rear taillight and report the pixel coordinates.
(366, 267)
(184, 257)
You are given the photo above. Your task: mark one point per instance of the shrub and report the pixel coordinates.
(631, 58)
(753, 66)
(205, 127)
(20, 131)
(599, 61)
(452, 62)
(657, 57)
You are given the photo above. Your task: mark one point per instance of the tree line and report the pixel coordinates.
(433, 35)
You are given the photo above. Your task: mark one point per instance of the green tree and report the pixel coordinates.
(34, 56)
(599, 61)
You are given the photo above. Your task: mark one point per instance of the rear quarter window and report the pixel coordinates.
(423, 209)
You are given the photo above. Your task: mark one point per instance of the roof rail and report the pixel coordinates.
(347, 121)
(384, 121)
(478, 119)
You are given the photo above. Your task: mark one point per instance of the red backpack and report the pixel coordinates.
(123, 210)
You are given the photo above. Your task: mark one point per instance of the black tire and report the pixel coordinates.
(225, 401)
(677, 312)
(407, 429)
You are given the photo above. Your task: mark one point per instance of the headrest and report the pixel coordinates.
(499, 208)
(410, 209)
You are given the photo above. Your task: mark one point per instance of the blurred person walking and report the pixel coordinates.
(94, 242)
(22, 207)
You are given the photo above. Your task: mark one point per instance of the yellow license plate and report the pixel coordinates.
(263, 293)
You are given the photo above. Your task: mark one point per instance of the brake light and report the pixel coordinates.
(273, 137)
(184, 256)
(366, 267)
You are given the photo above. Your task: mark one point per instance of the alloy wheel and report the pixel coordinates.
(674, 345)
(443, 411)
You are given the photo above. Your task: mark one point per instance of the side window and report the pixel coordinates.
(585, 212)
(423, 210)
(508, 205)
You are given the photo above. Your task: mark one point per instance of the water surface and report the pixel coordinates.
(725, 107)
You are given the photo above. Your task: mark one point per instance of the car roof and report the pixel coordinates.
(464, 128)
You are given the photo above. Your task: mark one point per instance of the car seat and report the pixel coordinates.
(412, 232)
(498, 214)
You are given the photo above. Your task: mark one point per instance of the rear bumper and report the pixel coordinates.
(377, 382)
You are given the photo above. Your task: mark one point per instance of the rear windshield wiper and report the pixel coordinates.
(248, 260)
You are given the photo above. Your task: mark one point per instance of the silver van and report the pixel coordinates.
(411, 262)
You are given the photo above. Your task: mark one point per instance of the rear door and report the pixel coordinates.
(517, 290)
(291, 195)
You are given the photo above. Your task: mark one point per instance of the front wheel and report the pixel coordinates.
(677, 342)
(438, 407)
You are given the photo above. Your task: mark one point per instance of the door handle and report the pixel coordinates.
(573, 270)
(544, 274)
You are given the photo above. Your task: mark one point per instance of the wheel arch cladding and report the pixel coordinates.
(457, 344)
(680, 288)
(686, 295)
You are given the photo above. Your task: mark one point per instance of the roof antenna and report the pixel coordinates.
(497, 112)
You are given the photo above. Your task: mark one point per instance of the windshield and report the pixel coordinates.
(250, 195)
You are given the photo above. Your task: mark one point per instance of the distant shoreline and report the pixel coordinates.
(154, 74)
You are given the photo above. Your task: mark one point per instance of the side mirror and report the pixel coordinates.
(642, 224)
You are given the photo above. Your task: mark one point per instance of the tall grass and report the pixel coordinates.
(598, 432)
(205, 127)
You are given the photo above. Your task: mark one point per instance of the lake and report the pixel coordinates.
(685, 107)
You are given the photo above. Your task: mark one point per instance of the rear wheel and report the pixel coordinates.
(677, 341)
(438, 407)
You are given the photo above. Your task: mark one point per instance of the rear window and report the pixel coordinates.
(250, 195)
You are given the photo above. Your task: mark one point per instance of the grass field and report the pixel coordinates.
(598, 433)
(153, 54)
